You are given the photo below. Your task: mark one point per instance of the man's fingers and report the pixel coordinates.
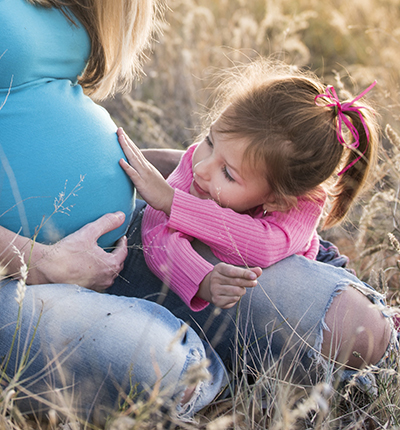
(103, 225)
(121, 250)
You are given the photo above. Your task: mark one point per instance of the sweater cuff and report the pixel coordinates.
(188, 295)
(197, 304)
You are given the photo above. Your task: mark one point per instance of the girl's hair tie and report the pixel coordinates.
(340, 110)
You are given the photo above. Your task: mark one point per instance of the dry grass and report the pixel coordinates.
(353, 42)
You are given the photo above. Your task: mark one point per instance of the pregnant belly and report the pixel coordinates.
(59, 163)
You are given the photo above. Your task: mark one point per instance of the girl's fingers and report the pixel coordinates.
(231, 271)
(131, 151)
(257, 271)
(240, 283)
(129, 170)
(227, 305)
(233, 292)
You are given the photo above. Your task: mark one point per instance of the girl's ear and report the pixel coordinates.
(272, 204)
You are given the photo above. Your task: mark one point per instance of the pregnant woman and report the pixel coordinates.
(63, 344)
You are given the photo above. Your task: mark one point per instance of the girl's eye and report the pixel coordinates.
(227, 175)
(208, 141)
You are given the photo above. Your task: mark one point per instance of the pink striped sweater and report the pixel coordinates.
(250, 239)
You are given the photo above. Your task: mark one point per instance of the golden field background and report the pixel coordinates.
(358, 38)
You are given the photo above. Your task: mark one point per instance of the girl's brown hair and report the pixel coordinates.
(273, 106)
(119, 31)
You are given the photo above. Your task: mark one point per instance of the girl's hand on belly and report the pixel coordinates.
(148, 180)
(77, 259)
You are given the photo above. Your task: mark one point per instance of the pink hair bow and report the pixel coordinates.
(342, 118)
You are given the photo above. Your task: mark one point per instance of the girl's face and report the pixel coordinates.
(220, 174)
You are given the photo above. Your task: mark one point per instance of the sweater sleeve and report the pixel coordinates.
(170, 256)
(245, 240)
(168, 252)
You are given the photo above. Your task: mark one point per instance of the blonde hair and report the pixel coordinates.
(293, 138)
(120, 31)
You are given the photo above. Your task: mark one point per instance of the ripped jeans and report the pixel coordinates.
(73, 349)
(277, 325)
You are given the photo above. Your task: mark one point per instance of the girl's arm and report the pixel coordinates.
(241, 239)
(76, 259)
(171, 258)
(167, 252)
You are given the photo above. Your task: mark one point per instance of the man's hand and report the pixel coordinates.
(77, 259)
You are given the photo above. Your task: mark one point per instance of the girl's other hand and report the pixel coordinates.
(226, 284)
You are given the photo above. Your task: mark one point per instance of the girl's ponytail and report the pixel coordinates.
(362, 154)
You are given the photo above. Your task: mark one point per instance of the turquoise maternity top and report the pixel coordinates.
(58, 149)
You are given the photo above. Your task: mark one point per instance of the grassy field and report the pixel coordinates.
(347, 43)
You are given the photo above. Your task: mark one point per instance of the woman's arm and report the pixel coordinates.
(76, 259)
(11, 247)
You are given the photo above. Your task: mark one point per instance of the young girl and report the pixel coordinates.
(255, 187)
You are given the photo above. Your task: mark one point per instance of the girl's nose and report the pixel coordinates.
(202, 169)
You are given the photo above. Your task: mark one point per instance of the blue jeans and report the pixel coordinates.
(81, 348)
(279, 324)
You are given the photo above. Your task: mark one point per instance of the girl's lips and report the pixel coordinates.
(199, 190)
